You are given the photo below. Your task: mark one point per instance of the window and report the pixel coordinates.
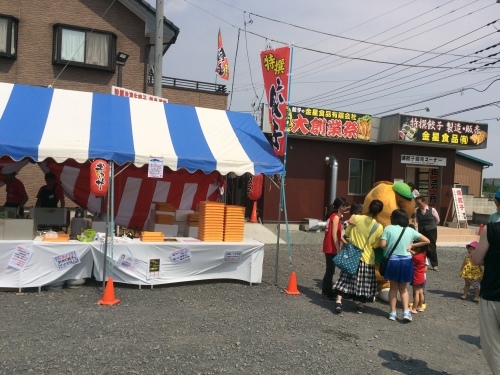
(8, 36)
(361, 176)
(87, 48)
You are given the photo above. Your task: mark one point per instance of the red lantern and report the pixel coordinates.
(99, 177)
(255, 183)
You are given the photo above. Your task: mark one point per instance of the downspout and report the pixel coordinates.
(331, 161)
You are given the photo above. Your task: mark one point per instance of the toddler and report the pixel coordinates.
(419, 276)
(472, 274)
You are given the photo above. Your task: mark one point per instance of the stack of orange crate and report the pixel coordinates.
(211, 221)
(234, 224)
(152, 236)
(164, 219)
(193, 219)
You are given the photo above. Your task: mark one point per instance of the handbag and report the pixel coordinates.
(348, 258)
(385, 260)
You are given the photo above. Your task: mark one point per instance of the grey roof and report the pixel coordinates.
(483, 162)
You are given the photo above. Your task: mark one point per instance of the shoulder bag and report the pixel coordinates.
(348, 258)
(385, 260)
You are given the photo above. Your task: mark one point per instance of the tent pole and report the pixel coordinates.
(112, 213)
(276, 263)
(105, 247)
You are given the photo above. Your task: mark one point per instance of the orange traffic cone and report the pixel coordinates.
(109, 294)
(292, 284)
(481, 226)
(253, 217)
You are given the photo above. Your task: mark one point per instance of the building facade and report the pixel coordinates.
(365, 150)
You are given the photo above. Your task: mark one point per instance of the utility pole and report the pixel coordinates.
(158, 49)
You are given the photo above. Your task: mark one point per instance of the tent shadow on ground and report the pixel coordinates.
(405, 365)
(469, 339)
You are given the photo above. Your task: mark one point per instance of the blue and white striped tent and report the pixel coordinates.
(43, 123)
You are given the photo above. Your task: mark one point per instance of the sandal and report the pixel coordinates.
(414, 311)
(463, 296)
(476, 299)
(420, 309)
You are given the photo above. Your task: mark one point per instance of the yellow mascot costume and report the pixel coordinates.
(394, 196)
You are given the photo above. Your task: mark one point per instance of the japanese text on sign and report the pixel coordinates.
(120, 91)
(128, 262)
(458, 199)
(423, 160)
(433, 186)
(275, 68)
(20, 258)
(180, 255)
(232, 256)
(155, 168)
(66, 260)
(329, 124)
(442, 131)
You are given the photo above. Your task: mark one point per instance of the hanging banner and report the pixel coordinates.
(222, 68)
(442, 132)
(326, 123)
(254, 188)
(275, 70)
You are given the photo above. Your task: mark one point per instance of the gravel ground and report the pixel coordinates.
(234, 328)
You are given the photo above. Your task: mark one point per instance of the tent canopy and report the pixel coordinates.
(43, 123)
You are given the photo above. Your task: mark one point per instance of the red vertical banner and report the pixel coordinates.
(275, 69)
(222, 68)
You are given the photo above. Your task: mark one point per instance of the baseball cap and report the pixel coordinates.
(473, 244)
(497, 194)
(402, 189)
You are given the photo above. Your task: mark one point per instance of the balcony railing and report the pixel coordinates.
(191, 85)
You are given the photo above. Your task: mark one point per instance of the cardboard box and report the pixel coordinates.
(168, 230)
(191, 232)
(181, 215)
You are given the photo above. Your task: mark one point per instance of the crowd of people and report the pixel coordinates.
(409, 243)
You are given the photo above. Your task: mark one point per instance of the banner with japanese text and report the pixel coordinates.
(222, 68)
(275, 70)
(441, 131)
(329, 123)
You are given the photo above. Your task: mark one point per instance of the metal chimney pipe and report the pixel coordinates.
(331, 161)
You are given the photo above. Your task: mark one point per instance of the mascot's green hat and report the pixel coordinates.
(402, 189)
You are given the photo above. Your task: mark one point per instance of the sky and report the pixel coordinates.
(361, 56)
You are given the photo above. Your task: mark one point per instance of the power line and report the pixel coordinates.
(373, 75)
(461, 90)
(378, 88)
(468, 109)
(353, 39)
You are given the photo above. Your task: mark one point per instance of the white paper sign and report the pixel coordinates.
(155, 168)
(20, 258)
(66, 260)
(423, 160)
(154, 269)
(459, 204)
(232, 256)
(128, 262)
(180, 255)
